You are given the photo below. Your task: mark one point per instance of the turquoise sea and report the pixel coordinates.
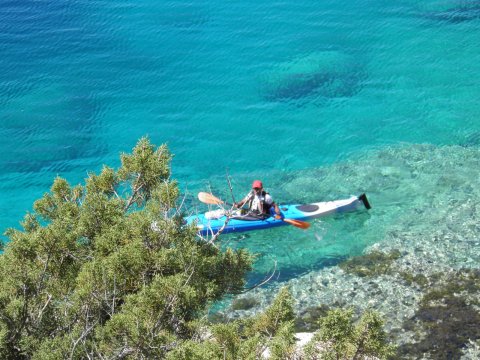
(319, 99)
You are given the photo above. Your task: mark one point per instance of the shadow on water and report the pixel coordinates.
(46, 127)
(456, 12)
(178, 15)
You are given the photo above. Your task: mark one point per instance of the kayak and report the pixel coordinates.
(211, 222)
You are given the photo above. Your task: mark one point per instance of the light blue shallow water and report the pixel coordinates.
(275, 90)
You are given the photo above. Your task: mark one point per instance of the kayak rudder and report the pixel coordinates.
(363, 198)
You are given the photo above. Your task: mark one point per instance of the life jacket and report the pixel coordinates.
(264, 207)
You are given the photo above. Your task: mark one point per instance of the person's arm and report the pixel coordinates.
(278, 214)
(242, 202)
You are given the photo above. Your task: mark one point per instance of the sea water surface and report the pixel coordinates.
(319, 99)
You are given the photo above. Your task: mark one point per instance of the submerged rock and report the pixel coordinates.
(328, 74)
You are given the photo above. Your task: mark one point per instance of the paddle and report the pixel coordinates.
(211, 199)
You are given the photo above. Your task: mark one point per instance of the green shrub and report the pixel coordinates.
(88, 277)
(340, 338)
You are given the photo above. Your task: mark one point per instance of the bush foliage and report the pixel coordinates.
(272, 332)
(87, 277)
(340, 337)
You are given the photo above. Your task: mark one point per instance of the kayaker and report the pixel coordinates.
(259, 202)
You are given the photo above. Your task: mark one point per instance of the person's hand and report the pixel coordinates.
(278, 216)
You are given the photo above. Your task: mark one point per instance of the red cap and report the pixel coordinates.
(257, 184)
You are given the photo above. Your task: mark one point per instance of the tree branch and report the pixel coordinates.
(134, 194)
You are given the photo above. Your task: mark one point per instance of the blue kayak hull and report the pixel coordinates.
(210, 226)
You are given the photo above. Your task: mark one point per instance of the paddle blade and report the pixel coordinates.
(209, 198)
(298, 223)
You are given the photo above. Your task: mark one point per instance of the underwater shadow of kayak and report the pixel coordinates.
(291, 271)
